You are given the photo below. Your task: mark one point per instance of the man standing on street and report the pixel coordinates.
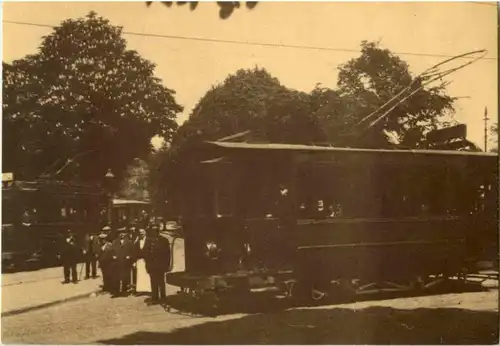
(141, 246)
(157, 263)
(106, 259)
(69, 257)
(123, 252)
(91, 251)
(133, 236)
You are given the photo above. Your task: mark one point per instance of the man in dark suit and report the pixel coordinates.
(123, 253)
(69, 255)
(132, 234)
(106, 259)
(91, 252)
(157, 258)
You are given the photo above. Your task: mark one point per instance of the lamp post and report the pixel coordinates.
(109, 178)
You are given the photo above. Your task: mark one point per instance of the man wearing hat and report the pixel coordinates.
(91, 251)
(105, 256)
(157, 258)
(132, 234)
(123, 253)
(69, 256)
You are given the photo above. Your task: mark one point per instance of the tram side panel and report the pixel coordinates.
(380, 250)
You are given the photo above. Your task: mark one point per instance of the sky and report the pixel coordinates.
(190, 67)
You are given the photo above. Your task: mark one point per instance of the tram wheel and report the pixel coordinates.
(425, 283)
(302, 292)
(418, 284)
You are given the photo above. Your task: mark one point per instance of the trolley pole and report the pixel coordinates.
(110, 209)
(486, 128)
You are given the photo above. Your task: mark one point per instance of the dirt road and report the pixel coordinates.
(458, 318)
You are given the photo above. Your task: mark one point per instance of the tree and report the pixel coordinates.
(135, 183)
(83, 104)
(335, 113)
(252, 100)
(367, 82)
(226, 8)
(494, 136)
(156, 174)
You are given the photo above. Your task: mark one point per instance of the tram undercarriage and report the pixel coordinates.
(209, 294)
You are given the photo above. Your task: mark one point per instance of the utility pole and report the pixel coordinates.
(486, 128)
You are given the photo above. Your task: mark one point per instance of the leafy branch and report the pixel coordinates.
(226, 8)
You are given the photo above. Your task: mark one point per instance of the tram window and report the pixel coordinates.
(250, 199)
(394, 193)
(8, 212)
(30, 216)
(439, 192)
(321, 193)
(491, 199)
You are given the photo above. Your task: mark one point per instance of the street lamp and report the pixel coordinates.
(109, 179)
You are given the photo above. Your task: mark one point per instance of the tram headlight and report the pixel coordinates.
(212, 250)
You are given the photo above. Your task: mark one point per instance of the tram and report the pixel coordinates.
(36, 215)
(302, 218)
(125, 211)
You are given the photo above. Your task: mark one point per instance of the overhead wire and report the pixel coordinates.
(425, 78)
(431, 73)
(428, 73)
(250, 43)
(490, 3)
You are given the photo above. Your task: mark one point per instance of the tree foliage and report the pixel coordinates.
(135, 183)
(494, 136)
(494, 132)
(226, 8)
(82, 104)
(254, 100)
(155, 173)
(369, 81)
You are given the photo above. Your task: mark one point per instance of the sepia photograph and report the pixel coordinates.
(265, 172)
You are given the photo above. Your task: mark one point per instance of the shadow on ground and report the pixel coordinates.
(266, 302)
(374, 325)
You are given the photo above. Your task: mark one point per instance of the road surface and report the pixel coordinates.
(459, 318)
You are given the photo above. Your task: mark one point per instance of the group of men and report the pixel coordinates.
(126, 257)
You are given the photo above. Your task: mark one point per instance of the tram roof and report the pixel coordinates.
(118, 201)
(331, 149)
(52, 186)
